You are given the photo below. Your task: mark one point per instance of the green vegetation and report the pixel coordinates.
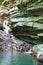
(30, 14)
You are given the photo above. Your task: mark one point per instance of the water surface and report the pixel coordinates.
(16, 58)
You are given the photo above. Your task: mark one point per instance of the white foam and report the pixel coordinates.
(29, 52)
(6, 27)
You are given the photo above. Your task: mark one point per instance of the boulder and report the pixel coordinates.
(38, 51)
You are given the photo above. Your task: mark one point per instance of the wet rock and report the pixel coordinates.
(6, 41)
(1, 47)
(25, 47)
(38, 51)
(9, 41)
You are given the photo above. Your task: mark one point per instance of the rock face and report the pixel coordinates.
(38, 51)
(1, 47)
(25, 47)
(8, 41)
(27, 19)
(3, 13)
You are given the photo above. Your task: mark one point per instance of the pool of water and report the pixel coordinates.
(16, 58)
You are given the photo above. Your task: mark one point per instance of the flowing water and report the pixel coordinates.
(6, 27)
(16, 58)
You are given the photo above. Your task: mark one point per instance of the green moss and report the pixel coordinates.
(1, 2)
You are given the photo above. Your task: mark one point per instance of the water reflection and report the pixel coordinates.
(16, 58)
(6, 58)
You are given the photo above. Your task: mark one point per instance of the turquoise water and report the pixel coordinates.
(16, 58)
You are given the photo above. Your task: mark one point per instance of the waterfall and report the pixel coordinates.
(6, 28)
